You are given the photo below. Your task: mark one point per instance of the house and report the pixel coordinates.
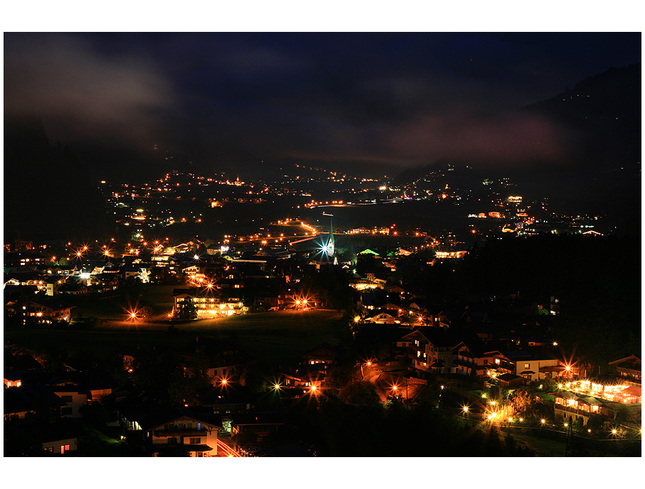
(494, 363)
(528, 363)
(323, 354)
(436, 350)
(60, 438)
(259, 424)
(43, 311)
(29, 400)
(209, 303)
(382, 318)
(184, 433)
(510, 381)
(572, 407)
(73, 398)
(629, 368)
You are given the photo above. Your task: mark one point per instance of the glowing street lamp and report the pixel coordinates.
(543, 421)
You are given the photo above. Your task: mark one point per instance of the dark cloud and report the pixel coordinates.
(395, 98)
(82, 94)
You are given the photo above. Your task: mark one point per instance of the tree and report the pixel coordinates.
(186, 309)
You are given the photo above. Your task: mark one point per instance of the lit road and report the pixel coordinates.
(223, 450)
(304, 231)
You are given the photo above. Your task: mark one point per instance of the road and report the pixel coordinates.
(223, 450)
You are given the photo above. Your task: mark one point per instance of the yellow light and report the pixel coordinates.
(224, 381)
(567, 368)
(394, 387)
(133, 315)
(357, 319)
(614, 431)
(566, 425)
(369, 364)
(543, 421)
(314, 388)
(465, 408)
(276, 387)
(521, 420)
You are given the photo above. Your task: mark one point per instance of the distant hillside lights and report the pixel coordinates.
(444, 255)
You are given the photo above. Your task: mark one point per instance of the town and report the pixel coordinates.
(152, 347)
(370, 245)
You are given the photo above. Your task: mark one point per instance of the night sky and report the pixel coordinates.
(232, 100)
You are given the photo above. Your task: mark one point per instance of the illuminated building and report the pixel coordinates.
(43, 312)
(436, 350)
(448, 255)
(207, 304)
(629, 368)
(530, 365)
(197, 438)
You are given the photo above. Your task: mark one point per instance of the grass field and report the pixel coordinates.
(268, 335)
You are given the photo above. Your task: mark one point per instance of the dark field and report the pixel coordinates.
(266, 336)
